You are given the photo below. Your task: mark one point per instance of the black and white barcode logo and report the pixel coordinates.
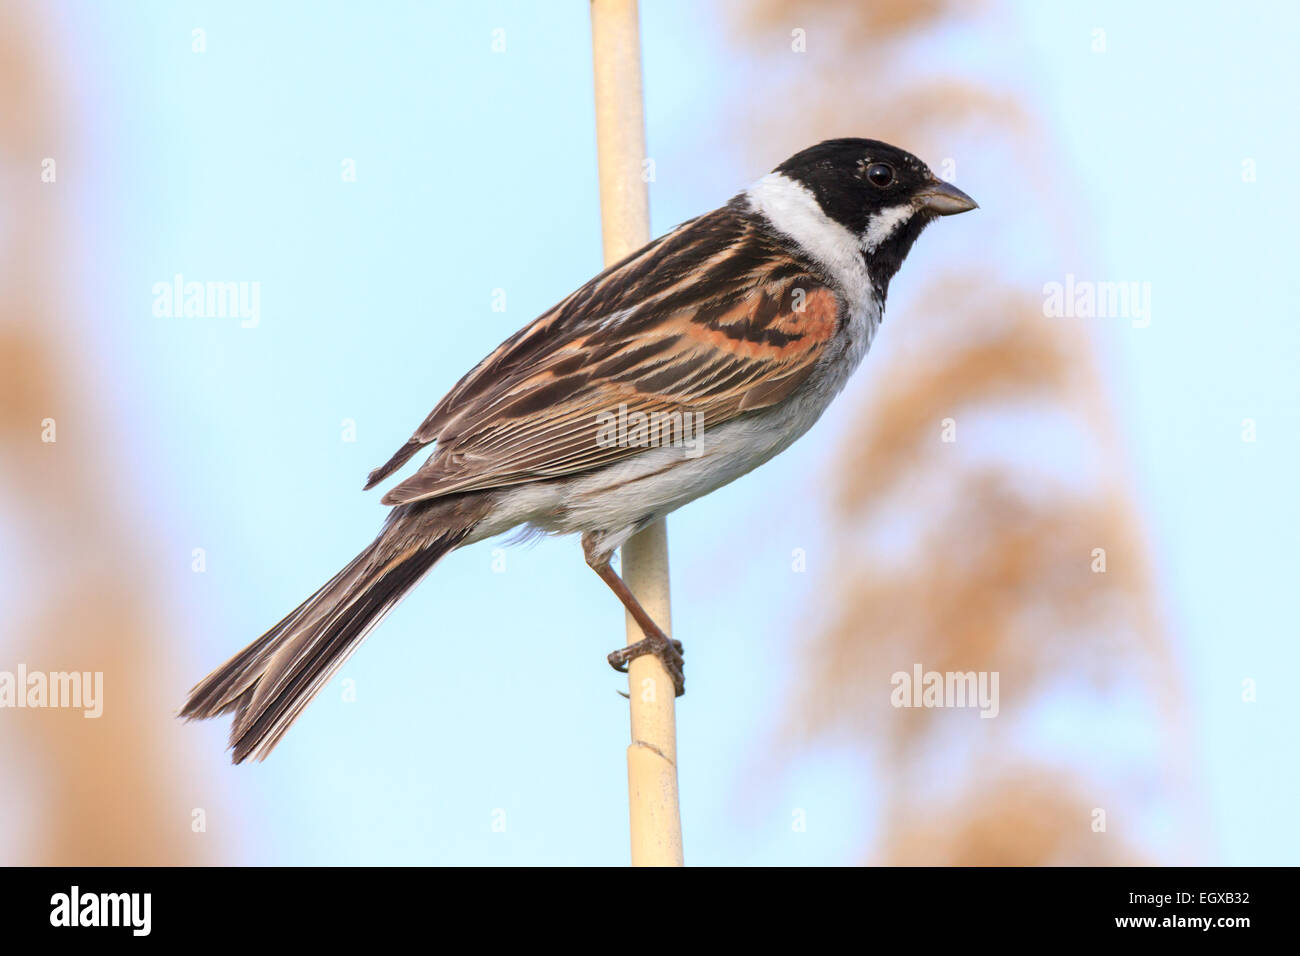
(102, 909)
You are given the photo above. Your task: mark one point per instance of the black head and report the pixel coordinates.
(881, 194)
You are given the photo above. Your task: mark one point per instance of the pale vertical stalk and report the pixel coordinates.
(656, 825)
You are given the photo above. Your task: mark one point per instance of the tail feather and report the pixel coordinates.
(268, 683)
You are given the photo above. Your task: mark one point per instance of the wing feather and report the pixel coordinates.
(713, 318)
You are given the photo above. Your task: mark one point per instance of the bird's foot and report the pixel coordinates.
(668, 651)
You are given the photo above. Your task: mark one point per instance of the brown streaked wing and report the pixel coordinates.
(542, 342)
(746, 346)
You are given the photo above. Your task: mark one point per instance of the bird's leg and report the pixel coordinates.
(655, 642)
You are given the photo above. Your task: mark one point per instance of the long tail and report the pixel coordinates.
(269, 682)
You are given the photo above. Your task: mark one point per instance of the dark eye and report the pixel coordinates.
(880, 174)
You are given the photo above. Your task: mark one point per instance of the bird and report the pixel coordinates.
(673, 372)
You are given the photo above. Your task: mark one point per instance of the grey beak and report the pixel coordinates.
(944, 199)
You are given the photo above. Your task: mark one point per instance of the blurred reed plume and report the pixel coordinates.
(78, 593)
(984, 519)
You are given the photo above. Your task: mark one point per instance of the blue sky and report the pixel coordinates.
(488, 690)
(1157, 130)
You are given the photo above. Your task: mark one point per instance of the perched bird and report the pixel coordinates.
(731, 334)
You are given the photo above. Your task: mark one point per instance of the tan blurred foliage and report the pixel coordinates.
(964, 555)
(102, 791)
(1022, 817)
